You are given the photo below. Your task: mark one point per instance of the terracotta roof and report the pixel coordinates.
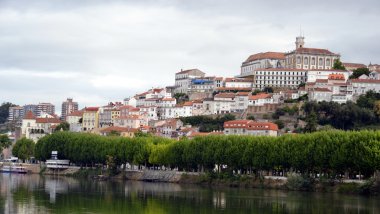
(266, 55)
(218, 78)
(317, 51)
(76, 114)
(157, 90)
(48, 120)
(336, 77)
(241, 93)
(365, 81)
(91, 109)
(251, 125)
(353, 65)
(321, 89)
(238, 80)
(322, 80)
(225, 95)
(188, 103)
(134, 109)
(29, 116)
(233, 89)
(168, 99)
(259, 96)
(188, 71)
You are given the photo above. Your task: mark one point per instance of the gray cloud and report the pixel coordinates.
(96, 51)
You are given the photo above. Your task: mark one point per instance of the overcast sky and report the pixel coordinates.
(100, 51)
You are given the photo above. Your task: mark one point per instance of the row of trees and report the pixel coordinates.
(329, 152)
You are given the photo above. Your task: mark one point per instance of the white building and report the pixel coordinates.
(309, 58)
(73, 119)
(241, 101)
(263, 61)
(250, 127)
(183, 79)
(238, 83)
(260, 99)
(277, 78)
(313, 75)
(362, 86)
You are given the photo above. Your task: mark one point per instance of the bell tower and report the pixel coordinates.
(300, 42)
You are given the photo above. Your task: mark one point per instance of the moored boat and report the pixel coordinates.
(13, 169)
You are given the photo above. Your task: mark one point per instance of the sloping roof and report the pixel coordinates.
(189, 71)
(321, 89)
(168, 99)
(317, 51)
(336, 77)
(225, 95)
(266, 55)
(91, 109)
(321, 80)
(365, 81)
(76, 114)
(243, 93)
(259, 96)
(251, 125)
(29, 116)
(353, 65)
(48, 120)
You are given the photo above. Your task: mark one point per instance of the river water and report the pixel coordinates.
(37, 194)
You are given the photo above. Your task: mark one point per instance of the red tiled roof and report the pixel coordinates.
(353, 65)
(225, 95)
(266, 55)
(336, 77)
(313, 51)
(321, 89)
(48, 120)
(188, 71)
(29, 116)
(243, 93)
(238, 80)
(365, 81)
(188, 103)
(259, 96)
(91, 109)
(251, 125)
(233, 89)
(168, 99)
(322, 80)
(76, 113)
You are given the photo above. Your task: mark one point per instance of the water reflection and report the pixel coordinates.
(36, 194)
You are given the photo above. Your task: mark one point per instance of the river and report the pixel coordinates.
(37, 194)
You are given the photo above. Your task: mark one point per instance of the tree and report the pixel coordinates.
(338, 65)
(376, 107)
(63, 126)
(311, 122)
(23, 149)
(4, 111)
(280, 124)
(250, 117)
(358, 72)
(181, 97)
(5, 142)
(114, 133)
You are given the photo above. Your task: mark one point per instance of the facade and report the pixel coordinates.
(183, 79)
(238, 83)
(362, 86)
(73, 119)
(278, 78)
(260, 99)
(320, 94)
(68, 107)
(314, 75)
(90, 118)
(263, 61)
(16, 113)
(241, 101)
(35, 128)
(250, 127)
(45, 108)
(353, 66)
(309, 58)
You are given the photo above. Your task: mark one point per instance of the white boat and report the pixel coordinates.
(55, 163)
(13, 169)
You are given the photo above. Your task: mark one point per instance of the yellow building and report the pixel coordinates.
(90, 118)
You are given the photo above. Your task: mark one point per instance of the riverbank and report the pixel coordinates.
(293, 182)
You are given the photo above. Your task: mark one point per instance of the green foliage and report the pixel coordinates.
(4, 111)
(268, 90)
(280, 124)
(251, 117)
(206, 123)
(113, 133)
(368, 100)
(338, 65)
(348, 116)
(5, 142)
(335, 152)
(181, 97)
(63, 126)
(298, 182)
(142, 134)
(23, 149)
(311, 122)
(358, 72)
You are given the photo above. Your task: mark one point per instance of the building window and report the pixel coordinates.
(298, 60)
(306, 60)
(328, 62)
(320, 61)
(313, 61)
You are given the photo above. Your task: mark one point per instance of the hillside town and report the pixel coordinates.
(267, 82)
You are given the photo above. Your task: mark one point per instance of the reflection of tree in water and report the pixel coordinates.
(35, 194)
